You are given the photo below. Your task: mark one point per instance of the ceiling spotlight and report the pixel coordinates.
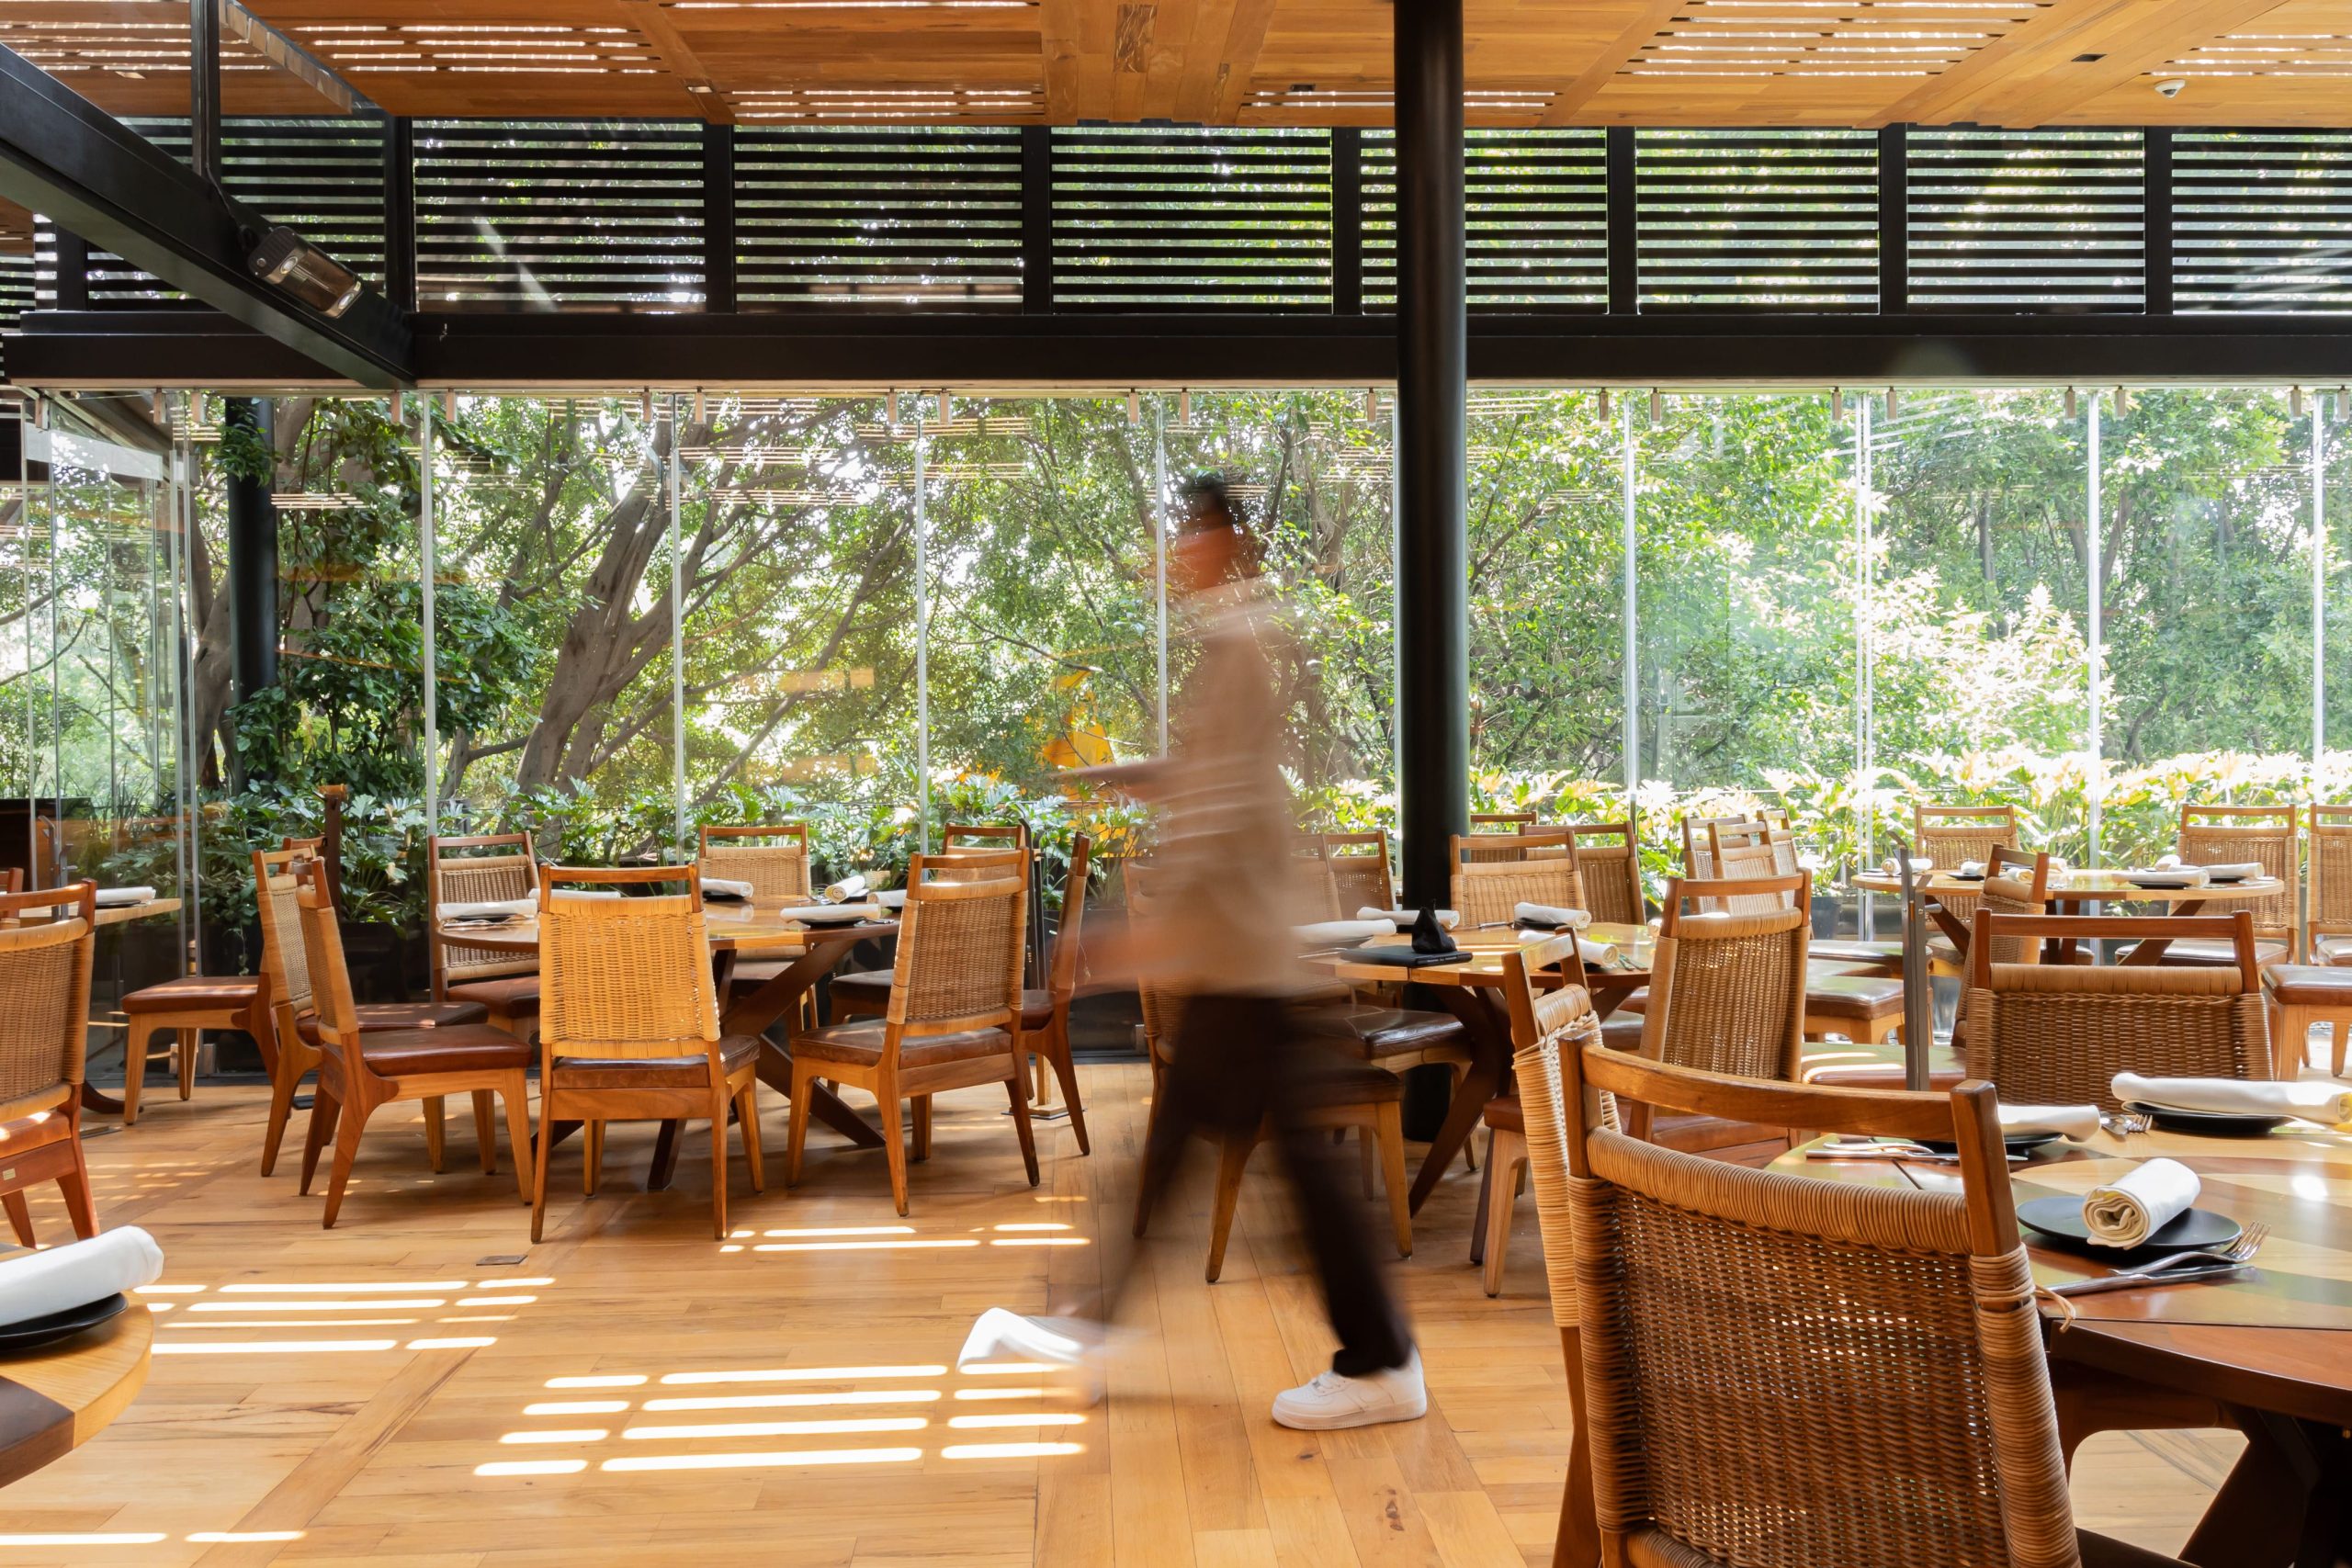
(1894, 402)
(645, 405)
(399, 408)
(2169, 87)
(890, 406)
(1371, 404)
(2069, 403)
(1135, 406)
(2122, 401)
(285, 260)
(698, 406)
(450, 403)
(2343, 403)
(1184, 406)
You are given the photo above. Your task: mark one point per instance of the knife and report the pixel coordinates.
(2137, 1281)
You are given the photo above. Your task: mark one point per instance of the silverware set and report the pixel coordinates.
(2176, 1269)
(2123, 1124)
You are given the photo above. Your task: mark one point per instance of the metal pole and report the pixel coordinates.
(2096, 772)
(252, 564)
(2319, 588)
(922, 637)
(1433, 396)
(183, 791)
(428, 552)
(677, 642)
(1629, 545)
(1863, 715)
(1159, 556)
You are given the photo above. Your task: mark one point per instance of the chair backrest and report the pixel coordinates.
(1772, 1418)
(778, 873)
(1509, 836)
(1163, 1004)
(626, 977)
(1698, 842)
(1501, 821)
(284, 962)
(984, 835)
(961, 945)
(2057, 1033)
(1951, 834)
(1608, 862)
(1740, 857)
(1487, 889)
(1360, 872)
(970, 864)
(2331, 878)
(2220, 835)
(1727, 990)
(322, 957)
(45, 974)
(2025, 895)
(475, 868)
(1061, 974)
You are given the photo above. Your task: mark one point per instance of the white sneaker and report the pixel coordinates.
(1329, 1401)
(1079, 1343)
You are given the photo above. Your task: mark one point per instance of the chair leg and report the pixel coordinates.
(592, 1157)
(1066, 1069)
(1021, 1124)
(1469, 1145)
(20, 1217)
(894, 1140)
(2336, 1030)
(1391, 1160)
(923, 1126)
(75, 1185)
(436, 1136)
(349, 1128)
(188, 1063)
(718, 1159)
(324, 1111)
(747, 1116)
(1368, 1151)
(286, 1077)
(1505, 1151)
(138, 1040)
(517, 1095)
(796, 1125)
(545, 1146)
(486, 1131)
(1232, 1159)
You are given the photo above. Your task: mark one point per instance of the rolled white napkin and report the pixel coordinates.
(1551, 915)
(35, 1284)
(814, 913)
(1403, 918)
(491, 909)
(2328, 1104)
(110, 898)
(1603, 953)
(2233, 871)
(563, 892)
(1970, 868)
(1920, 865)
(848, 890)
(1335, 933)
(2137, 1205)
(2079, 1123)
(727, 888)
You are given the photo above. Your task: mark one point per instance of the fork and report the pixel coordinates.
(2209, 1263)
(2242, 1251)
(2123, 1124)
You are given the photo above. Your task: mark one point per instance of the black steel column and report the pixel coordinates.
(399, 213)
(72, 272)
(718, 218)
(253, 563)
(2155, 216)
(1432, 494)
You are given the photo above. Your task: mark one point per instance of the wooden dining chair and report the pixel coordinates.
(1727, 991)
(1609, 863)
(1360, 872)
(359, 1072)
(1506, 835)
(480, 868)
(628, 1023)
(181, 1010)
(1044, 1014)
(2224, 835)
(777, 870)
(1501, 821)
(1493, 874)
(44, 1048)
(2329, 918)
(2058, 1033)
(865, 993)
(1949, 835)
(955, 1014)
(1772, 1418)
(984, 836)
(1698, 841)
(1544, 993)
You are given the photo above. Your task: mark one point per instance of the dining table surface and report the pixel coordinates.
(2071, 892)
(55, 1398)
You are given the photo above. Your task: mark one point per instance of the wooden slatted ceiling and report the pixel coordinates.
(1261, 63)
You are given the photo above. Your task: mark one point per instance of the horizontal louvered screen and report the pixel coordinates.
(840, 216)
(1537, 218)
(2262, 221)
(1150, 219)
(559, 215)
(15, 295)
(2026, 220)
(1758, 218)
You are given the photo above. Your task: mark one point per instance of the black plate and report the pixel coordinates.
(35, 1332)
(2059, 1220)
(2210, 1123)
(2020, 1142)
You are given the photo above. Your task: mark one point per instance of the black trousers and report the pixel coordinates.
(1240, 1060)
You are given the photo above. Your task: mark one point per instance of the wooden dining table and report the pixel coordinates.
(2271, 1349)
(2074, 892)
(55, 1399)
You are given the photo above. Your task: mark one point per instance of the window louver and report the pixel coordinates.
(15, 295)
(2262, 221)
(1537, 221)
(2026, 220)
(1758, 218)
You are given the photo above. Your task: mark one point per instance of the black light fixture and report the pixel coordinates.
(283, 259)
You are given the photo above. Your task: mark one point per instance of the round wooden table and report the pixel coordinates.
(54, 1400)
(2071, 892)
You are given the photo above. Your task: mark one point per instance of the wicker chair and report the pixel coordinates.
(490, 867)
(954, 1018)
(628, 1029)
(865, 993)
(1727, 991)
(1608, 859)
(1359, 875)
(778, 874)
(1860, 1381)
(1044, 1014)
(1509, 836)
(44, 1045)
(2318, 991)
(1544, 991)
(1698, 837)
(1495, 873)
(359, 1072)
(1948, 835)
(294, 1020)
(2057, 1033)
(2329, 912)
(2221, 835)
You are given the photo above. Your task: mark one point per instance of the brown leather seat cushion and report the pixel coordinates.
(195, 991)
(736, 1052)
(2199, 952)
(1637, 1002)
(1503, 1114)
(2308, 985)
(1349, 1084)
(507, 993)
(1395, 1032)
(468, 1048)
(376, 1017)
(2331, 949)
(1854, 949)
(868, 989)
(1621, 1031)
(1853, 995)
(757, 971)
(861, 1044)
(1846, 1064)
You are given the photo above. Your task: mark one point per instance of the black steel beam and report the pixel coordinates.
(63, 156)
(400, 214)
(1894, 220)
(1036, 219)
(1432, 459)
(718, 216)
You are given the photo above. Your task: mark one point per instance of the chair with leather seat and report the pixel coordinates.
(2226, 835)
(2327, 923)
(483, 868)
(360, 1072)
(865, 993)
(2299, 995)
(1493, 873)
(44, 1048)
(628, 1023)
(184, 1008)
(953, 1015)
(773, 858)
(293, 1039)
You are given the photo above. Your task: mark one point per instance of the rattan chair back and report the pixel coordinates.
(1948, 835)
(2330, 876)
(45, 974)
(1698, 842)
(970, 864)
(1061, 973)
(1486, 890)
(2058, 1033)
(778, 872)
(1543, 1023)
(1360, 872)
(322, 955)
(1756, 859)
(960, 952)
(1727, 990)
(477, 868)
(1609, 863)
(984, 836)
(1783, 1372)
(2222, 835)
(284, 962)
(1507, 836)
(625, 978)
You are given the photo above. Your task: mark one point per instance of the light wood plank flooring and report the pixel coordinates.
(631, 1391)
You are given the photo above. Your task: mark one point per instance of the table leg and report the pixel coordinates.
(2285, 1502)
(2151, 950)
(779, 998)
(1490, 1060)
(94, 1099)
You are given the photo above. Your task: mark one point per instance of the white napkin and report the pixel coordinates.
(2236, 871)
(1920, 865)
(1403, 918)
(491, 909)
(1335, 933)
(2165, 877)
(2328, 1104)
(1551, 915)
(35, 1284)
(1600, 953)
(2079, 1123)
(2137, 1205)
(108, 898)
(727, 888)
(821, 913)
(848, 890)
(1970, 868)
(563, 892)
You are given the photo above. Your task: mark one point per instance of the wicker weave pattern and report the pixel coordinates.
(483, 879)
(1843, 1331)
(625, 977)
(2208, 843)
(1565, 1021)
(1485, 893)
(1948, 836)
(2008, 896)
(283, 960)
(2058, 1035)
(2331, 888)
(960, 958)
(1359, 875)
(322, 955)
(1745, 862)
(778, 873)
(1611, 873)
(1736, 981)
(44, 1030)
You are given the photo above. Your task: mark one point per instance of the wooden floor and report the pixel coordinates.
(400, 1390)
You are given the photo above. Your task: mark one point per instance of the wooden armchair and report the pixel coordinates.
(629, 1024)
(487, 868)
(1493, 873)
(1558, 1010)
(44, 1046)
